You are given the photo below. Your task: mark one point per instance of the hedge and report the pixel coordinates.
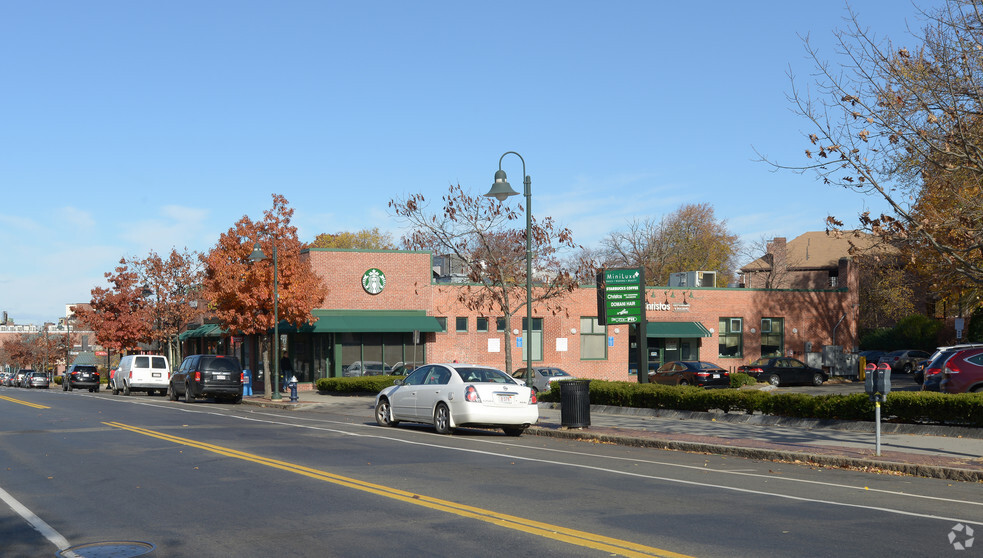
(965, 409)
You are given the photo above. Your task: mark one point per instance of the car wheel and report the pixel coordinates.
(188, 396)
(683, 383)
(442, 419)
(817, 379)
(96, 389)
(513, 430)
(126, 388)
(235, 399)
(908, 368)
(383, 413)
(774, 380)
(115, 389)
(171, 395)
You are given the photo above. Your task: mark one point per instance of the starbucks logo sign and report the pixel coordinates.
(373, 281)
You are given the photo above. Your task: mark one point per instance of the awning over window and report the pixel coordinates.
(371, 321)
(676, 329)
(206, 330)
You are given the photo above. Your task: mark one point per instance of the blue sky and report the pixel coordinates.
(127, 126)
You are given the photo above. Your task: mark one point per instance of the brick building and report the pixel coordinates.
(389, 306)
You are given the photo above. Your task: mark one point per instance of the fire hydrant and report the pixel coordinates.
(293, 388)
(247, 383)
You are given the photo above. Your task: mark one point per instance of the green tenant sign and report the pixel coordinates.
(620, 296)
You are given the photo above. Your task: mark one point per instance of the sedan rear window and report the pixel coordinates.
(485, 375)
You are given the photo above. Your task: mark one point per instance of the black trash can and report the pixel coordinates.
(575, 403)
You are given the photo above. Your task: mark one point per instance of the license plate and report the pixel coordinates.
(716, 376)
(155, 374)
(221, 376)
(503, 398)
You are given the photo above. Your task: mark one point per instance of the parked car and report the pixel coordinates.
(903, 360)
(3, 378)
(215, 376)
(691, 373)
(24, 377)
(454, 395)
(85, 376)
(928, 373)
(149, 373)
(543, 377)
(963, 372)
(783, 370)
(366, 368)
(38, 380)
(402, 369)
(872, 355)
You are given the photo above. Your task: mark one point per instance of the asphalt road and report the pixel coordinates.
(222, 480)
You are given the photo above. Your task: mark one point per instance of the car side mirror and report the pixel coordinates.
(397, 382)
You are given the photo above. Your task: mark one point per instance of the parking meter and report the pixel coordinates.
(877, 381)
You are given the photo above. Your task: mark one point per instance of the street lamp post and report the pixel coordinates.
(501, 190)
(258, 256)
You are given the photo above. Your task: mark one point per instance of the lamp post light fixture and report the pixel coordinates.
(501, 190)
(258, 256)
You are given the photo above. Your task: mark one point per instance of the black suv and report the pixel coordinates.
(81, 376)
(207, 376)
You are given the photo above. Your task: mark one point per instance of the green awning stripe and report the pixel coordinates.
(676, 329)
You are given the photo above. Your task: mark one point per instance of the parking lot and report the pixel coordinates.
(842, 385)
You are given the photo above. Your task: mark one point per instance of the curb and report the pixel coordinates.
(870, 465)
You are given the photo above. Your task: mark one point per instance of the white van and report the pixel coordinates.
(149, 373)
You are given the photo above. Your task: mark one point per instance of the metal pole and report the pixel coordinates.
(276, 331)
(527, 182)
(877, 417)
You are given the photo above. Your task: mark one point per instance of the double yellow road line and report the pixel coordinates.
(28, 403)
(572, 536)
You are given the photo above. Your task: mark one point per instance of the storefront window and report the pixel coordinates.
(730, 333)
(772, 336)
(593, 340)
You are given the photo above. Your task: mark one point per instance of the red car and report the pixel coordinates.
(963, 372)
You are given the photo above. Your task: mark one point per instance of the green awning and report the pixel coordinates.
(372, 321)
(205, 330)
(676, 329)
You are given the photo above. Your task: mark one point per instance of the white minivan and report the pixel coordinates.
(149, 373)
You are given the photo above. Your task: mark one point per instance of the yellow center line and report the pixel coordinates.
(28, 403)
(572, 536)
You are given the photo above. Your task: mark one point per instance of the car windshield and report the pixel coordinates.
(558, 372)
(706, 365)
(85, 368)
(484, 375)
(761, 362)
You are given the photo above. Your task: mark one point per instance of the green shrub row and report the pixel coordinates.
(358, 385)
(914, 407)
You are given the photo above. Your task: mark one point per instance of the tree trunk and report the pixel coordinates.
(267, 371)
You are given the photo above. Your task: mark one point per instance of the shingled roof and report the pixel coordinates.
(819, 250)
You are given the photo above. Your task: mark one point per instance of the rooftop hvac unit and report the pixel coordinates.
(693, 279)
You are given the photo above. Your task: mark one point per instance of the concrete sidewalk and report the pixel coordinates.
(929, 451)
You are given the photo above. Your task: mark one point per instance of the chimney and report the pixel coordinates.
(779, 253)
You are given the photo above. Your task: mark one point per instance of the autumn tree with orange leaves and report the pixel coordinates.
(479, 231)
(171, 288)
(240, 292)
(118, 314)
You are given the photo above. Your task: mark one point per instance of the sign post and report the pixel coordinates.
(877, 384)
(621, 300)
